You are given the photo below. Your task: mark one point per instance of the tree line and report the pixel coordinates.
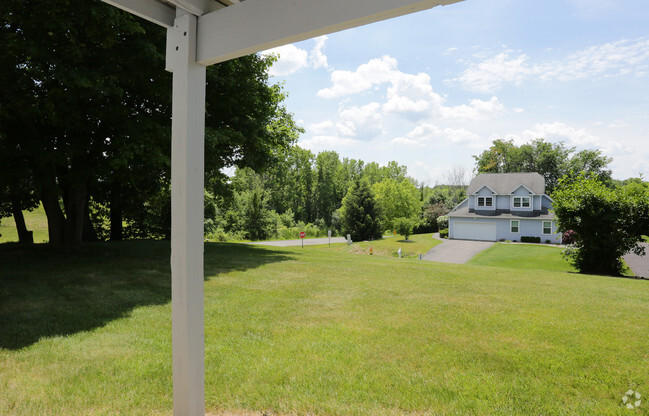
(304, 191)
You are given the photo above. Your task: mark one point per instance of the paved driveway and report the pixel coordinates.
(456, 251)
(639, 265)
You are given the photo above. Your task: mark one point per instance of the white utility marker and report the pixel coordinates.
(201, 33)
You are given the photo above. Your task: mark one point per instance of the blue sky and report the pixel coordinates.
(431, 89)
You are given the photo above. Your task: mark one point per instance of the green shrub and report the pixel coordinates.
(442, 222)
(404, 226)
(530, 239)
(443, 233)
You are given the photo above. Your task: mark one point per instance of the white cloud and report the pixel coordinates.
(426, 134)
(462, 136)
(320, 143)
(406, 141)
(362, 122)
(578, 137)
(489, 75)
(376, 71)
(425, 173)
(317, 58)
(611, 59)
(291, 59)
(558, 131)
(476, 110)
(408, 95)
(411, 96)
(320, 128)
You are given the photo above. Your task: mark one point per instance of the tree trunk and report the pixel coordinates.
(116, 229)
(24, 236)
(55, 217)
(75, 211)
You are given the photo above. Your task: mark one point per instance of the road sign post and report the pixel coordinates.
(329, 234)
(302, 235)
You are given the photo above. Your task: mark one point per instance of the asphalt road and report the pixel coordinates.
(297, 242)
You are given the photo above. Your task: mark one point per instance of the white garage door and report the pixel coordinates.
(474, 231)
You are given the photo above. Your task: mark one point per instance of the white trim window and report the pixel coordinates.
(547, 227)
(485, 202)
(514, 226)
(521, 202)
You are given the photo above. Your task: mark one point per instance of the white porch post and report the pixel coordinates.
(187, 169)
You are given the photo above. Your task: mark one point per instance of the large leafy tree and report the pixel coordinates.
(291, 183)
(397, 200)
(68, 59)
(89, 110)
(552, 160)
(329, 186)
(608, 222)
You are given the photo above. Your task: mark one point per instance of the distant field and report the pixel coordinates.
(35, 220)
(292, 331)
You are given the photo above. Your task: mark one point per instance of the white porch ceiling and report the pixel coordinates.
(229, 29)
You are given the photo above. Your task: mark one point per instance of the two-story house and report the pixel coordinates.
(504, 206)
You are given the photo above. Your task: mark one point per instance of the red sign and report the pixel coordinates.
(302, 234)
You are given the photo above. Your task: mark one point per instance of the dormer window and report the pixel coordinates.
(485, 201)
(522, 202)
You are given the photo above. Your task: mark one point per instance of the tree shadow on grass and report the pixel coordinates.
(47, 292)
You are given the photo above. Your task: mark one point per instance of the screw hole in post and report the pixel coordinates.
(185, 34)
(176, 47)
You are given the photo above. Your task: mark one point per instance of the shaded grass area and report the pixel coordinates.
(389, 246)
(36, 221)
(293, 331)
(523, 256)
(47, 291)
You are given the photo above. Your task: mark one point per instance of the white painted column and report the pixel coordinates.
(187, 169)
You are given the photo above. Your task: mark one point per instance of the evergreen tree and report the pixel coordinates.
(360, 216)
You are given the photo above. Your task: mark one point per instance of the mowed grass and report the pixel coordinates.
(315, 331)
(36, 221)
(389, 246)
(523, 256)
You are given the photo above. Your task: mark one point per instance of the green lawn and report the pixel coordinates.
(523, 256)
(317, 331)
(389, 246)
(35, 221)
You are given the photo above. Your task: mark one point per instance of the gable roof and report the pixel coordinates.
(505, 183)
